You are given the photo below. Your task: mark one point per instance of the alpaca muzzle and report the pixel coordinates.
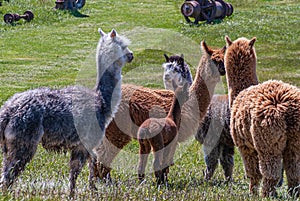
(129, 57)
(221, 69)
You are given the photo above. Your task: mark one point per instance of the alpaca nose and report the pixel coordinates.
(129, 57)
(221, 69)
(167, 77)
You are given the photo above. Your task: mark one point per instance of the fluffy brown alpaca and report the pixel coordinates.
(139, 103)
(265, 121)
(160, 134)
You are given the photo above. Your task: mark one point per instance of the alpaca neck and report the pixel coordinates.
(194, 109)
(236, 84)
(109, 85)
(175, 111)
(202, 91)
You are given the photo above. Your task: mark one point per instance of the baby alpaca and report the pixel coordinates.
(214, 135)
(69, 119)
(176, 71)
(265, 121)
(160, 134)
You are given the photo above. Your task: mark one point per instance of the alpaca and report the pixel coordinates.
(138, 103)
(215, 126)
(265, 121)
(69, 119)
(214, 135)
(160, 134)
(176, 71)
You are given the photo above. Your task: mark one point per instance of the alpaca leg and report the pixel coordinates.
(291, 162)
(211, 160)
(16, 155)
(157, 144)
(271, 168)
(168, 158)
(145, 149)
(227, 161)
(77, 161)
(19, 147)
(107, 151)
(158, 158)
(93, 172)
(251, 165)
(270, 153)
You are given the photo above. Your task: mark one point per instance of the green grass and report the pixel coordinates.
(57, 49)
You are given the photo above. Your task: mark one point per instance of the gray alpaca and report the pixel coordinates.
(214, 131)
(69, 119)
(214, 134)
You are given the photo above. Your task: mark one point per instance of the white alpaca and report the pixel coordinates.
(176, 72)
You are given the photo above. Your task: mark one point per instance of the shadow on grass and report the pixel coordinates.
(204, 23)
(76, 13)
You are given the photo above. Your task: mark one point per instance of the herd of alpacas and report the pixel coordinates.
(261, 119)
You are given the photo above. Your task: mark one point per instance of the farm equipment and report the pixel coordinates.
(69, 4)
(205, 10)
(9, 18)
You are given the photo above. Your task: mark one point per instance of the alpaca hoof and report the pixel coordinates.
(93, 187)
(272, 194)
(228, 179)
(207, 175)
(141, 178)
(160, 180)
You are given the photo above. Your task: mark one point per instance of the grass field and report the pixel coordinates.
(57, 49)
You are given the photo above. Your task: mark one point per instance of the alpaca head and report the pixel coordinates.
(240, 57)
(176, 72)
(112, 51)
(240, 63)
(214, 66)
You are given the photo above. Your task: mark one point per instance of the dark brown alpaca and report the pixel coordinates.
(139, 103)
(160, 134)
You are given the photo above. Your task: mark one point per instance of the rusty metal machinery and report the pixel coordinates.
(69, 4)
(205, 10)
(9, 18)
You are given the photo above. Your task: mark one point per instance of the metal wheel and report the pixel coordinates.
(8, 18)
(29, 14)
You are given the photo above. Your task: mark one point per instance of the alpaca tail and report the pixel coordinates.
(4, 119)
(272, 114)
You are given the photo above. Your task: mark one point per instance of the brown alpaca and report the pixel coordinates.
(265, 121)
(160, 134)
(139, 103)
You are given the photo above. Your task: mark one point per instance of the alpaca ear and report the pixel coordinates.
(181, 59)
(228, 41)
(167, 58)
(206, 49)
(252, 41)
(224, 49)
(101, 32)
(113, 33)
